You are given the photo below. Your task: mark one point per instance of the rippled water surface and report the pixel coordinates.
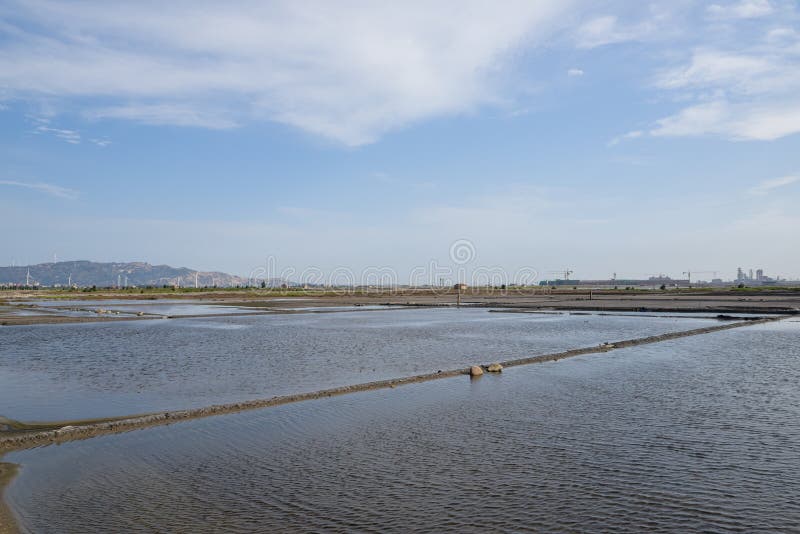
(160, 307)
(695, 434)
(69, 371)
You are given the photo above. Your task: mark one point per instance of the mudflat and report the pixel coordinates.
(7, 523)
(28, 307)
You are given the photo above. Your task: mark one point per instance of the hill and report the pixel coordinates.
(89, 273)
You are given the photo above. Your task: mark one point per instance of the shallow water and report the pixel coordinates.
(158, 307)
(695, 434)
(88, 303)
(70, 371)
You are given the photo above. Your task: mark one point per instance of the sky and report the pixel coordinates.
(525, 136)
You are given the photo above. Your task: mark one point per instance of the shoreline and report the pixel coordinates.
(8, 524)
(30, 320)
(77, 431)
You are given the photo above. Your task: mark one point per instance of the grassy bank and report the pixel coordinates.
(7, 523)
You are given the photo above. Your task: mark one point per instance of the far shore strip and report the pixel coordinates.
(70, 432)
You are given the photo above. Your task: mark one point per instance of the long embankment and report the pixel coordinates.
(66, 431)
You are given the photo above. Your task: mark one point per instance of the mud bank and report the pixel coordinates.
(764, 310)
(69, 431)
(27, 320)
(24, 320)
(665, 315)
(7, 523)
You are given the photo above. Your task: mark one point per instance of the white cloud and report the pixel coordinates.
(575, 72)
(70, 136)
(779, 35)
(768, 185)
(744, 9)
(50, 189)
(349, 70)
(752, 93)
(631, 21)
(630, 135)
(760, 71)
(606, 30)
(159, 114)
(739, 122)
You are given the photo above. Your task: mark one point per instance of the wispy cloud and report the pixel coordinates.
(761, 70)
(746, 91)
(603, 31)
(768, 185)
(72, 137)
(575, 72)
(43, 126)
(349, 71)
(165, 114)
(50, 189)
(630, 135)
(744, 9)
(739, 122)
(628, 22)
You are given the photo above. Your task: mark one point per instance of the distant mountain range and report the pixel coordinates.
(89, 273)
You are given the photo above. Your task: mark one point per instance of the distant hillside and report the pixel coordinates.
(89, 273)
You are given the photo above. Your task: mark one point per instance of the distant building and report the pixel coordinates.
(759, 278)
(653, 281)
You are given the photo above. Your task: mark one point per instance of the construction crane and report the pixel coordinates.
(689, 274)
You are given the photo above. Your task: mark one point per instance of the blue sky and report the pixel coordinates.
(627, 137)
